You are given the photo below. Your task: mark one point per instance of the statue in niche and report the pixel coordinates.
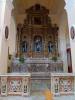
(24, 46)
(50, 46)
(38, 43)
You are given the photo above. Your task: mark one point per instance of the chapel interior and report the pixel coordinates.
(36, 47)
(41, 33)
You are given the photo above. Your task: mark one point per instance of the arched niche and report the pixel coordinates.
(37, 47)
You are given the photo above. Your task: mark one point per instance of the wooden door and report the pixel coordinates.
(69, 60)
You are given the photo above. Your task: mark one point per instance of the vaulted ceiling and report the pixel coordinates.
(55, 6)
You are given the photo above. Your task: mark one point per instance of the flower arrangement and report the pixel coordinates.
(21, 59)
(54, 58)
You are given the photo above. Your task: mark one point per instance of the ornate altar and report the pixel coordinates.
(37, 37)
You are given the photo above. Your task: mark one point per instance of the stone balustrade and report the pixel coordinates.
(63, 83)
(20, 84)
(15, 84)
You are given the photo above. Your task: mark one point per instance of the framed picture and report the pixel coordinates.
(72, 32)
(6, 32)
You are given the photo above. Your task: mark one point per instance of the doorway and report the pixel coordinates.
(69, 60)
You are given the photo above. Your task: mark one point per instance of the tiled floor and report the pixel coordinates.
(36, 98)
(65, 98)
(23, 98)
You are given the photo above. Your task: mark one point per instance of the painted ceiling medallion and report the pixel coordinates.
(72, 32)
(6, 32)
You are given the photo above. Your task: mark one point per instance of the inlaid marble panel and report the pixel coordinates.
(62, 84)
(66, 84)
(14, 85)
(17, 84)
